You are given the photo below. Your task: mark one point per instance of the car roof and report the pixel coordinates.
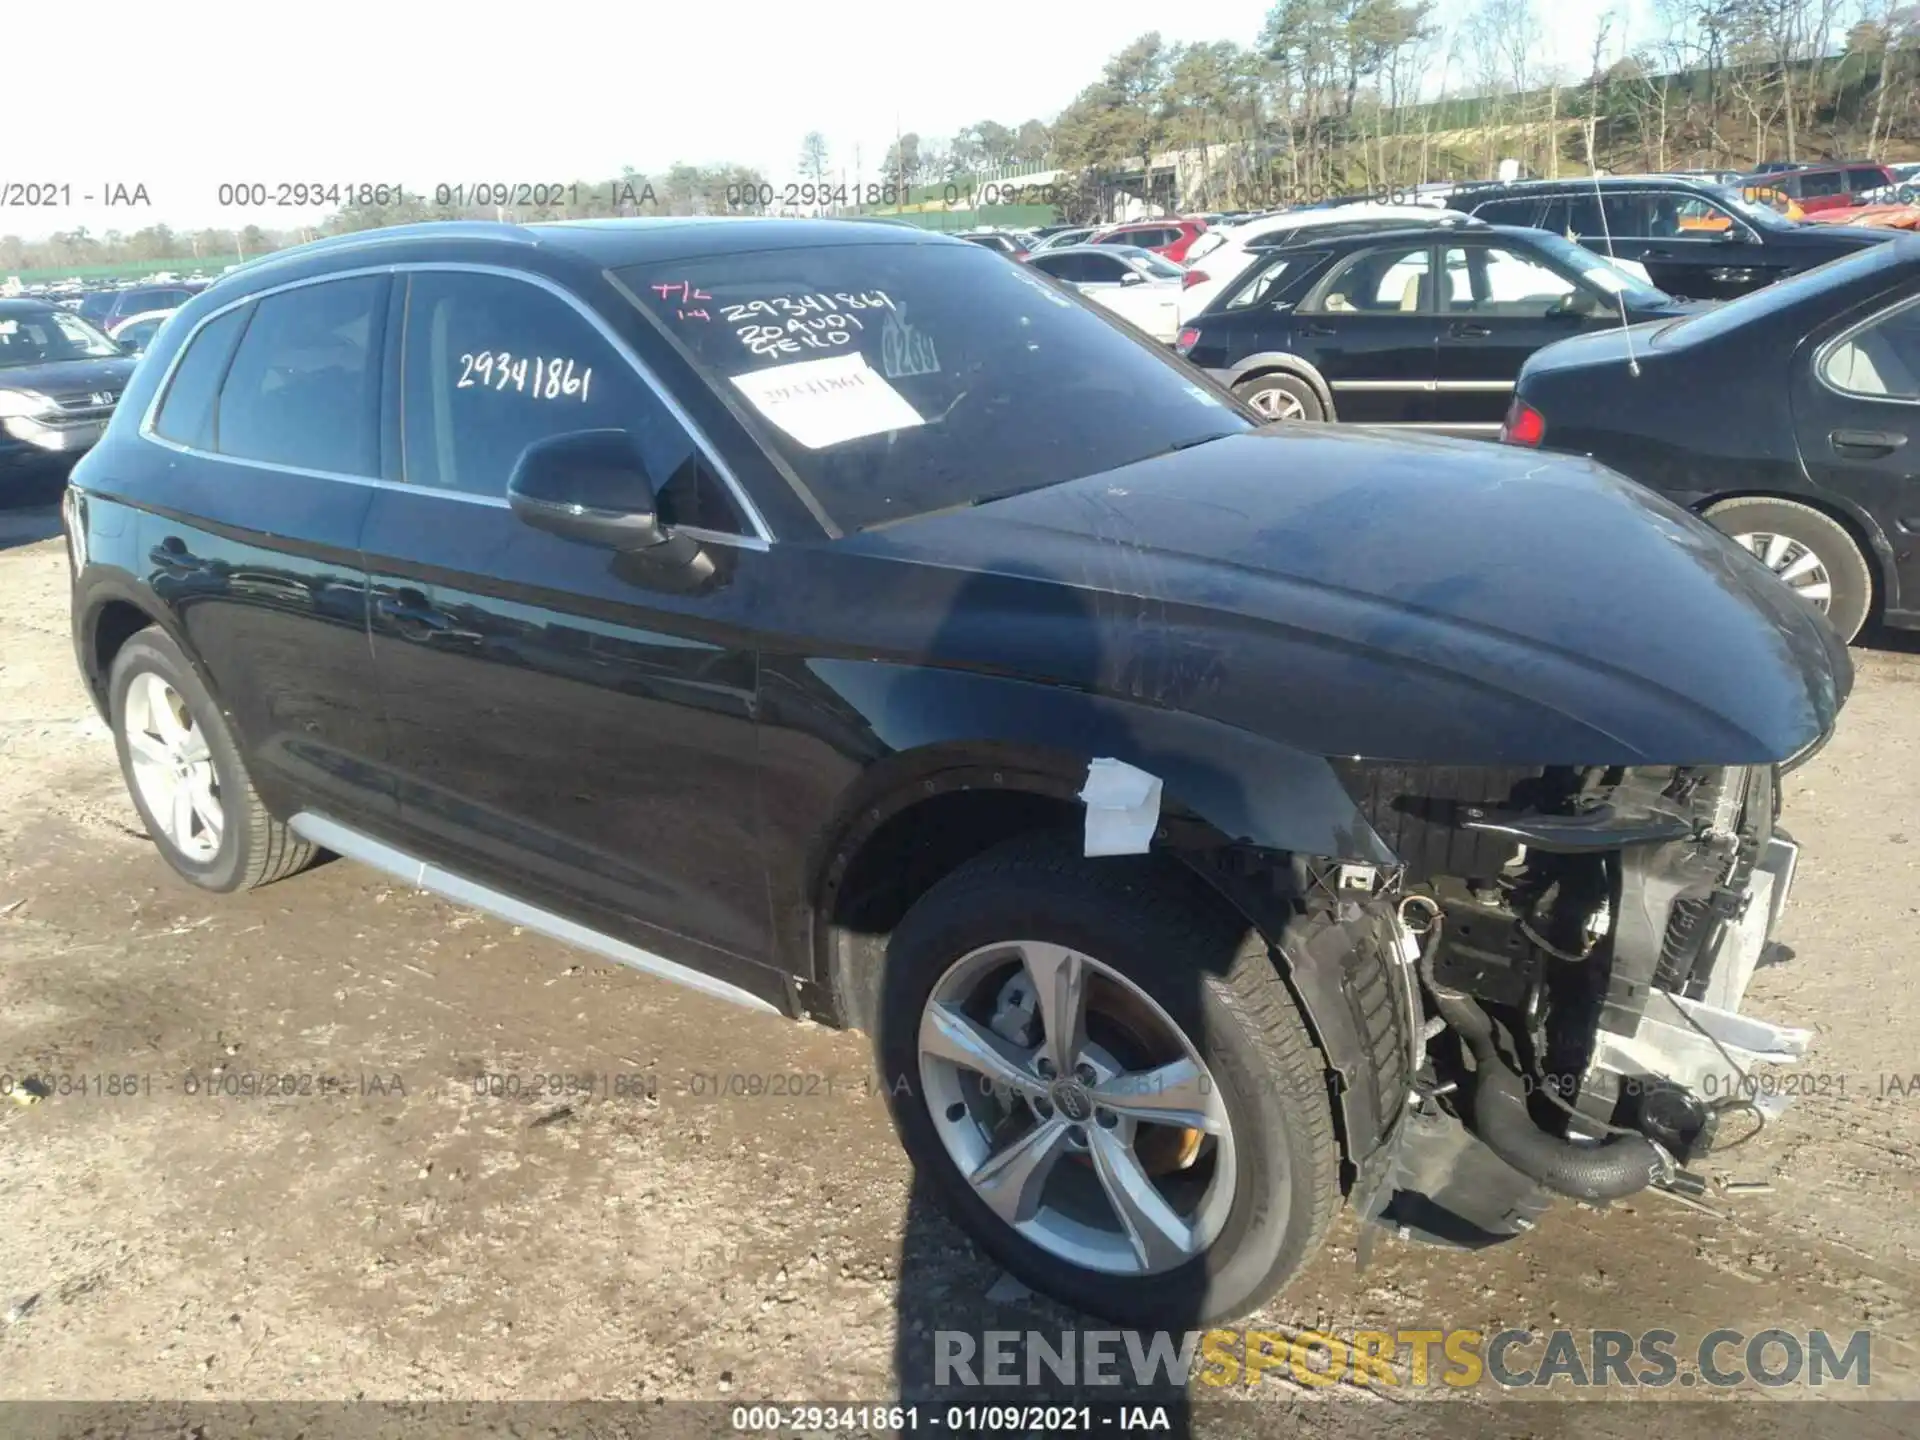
(25, 306)
(1122, 250)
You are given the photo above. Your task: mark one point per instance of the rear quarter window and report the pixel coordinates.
(186, 411)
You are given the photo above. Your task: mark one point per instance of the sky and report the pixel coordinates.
(425, 94)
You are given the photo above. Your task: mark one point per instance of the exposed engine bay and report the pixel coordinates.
(1572, 948)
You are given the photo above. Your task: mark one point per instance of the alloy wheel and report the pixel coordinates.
(1277, 405)
(173, 767)
(1795, 563)
(1076, 1108)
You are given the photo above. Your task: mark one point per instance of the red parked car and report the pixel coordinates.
(1831, 186)
(1171, 238)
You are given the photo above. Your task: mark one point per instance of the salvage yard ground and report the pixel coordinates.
(394, 1233)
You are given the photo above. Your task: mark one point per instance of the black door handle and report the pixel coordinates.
(1466, 330)
(1873, 442)
(1318, 330)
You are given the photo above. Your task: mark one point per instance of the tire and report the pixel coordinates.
(1760, 524)
(1282, 397)
(1153, 930)
(247, 847)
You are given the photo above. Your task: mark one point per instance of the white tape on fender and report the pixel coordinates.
(1123, 808)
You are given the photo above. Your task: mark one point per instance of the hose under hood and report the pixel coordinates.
(1493, 1106)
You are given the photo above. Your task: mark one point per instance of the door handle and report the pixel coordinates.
(1466, 330)
(1318, 331)
(412, 614)
(1656, 255)
(1871, 442)
(1730, 277)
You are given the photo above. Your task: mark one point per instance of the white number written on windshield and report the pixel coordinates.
(554, 379)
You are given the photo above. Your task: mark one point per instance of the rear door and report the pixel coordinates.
(1856, 409)
(273, 410)
(1371, 329)
(1502, 302)
(571, 727)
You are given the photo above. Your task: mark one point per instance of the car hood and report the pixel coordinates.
(1416, 599)
(62, 378)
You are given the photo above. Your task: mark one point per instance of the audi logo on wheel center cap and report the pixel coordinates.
(1071, 1099)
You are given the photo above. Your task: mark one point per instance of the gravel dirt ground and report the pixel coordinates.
(394, 1234)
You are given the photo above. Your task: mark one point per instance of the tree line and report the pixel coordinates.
(1332, 97)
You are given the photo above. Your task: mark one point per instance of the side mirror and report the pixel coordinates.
(1133, 277)
(590, 486)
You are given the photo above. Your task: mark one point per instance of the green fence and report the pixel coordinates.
(126, 269)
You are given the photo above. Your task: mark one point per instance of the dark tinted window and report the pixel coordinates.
(1270, 279)
(894, 379)
(186, 415)
(1102, 269)
(1630, 213)
(304, 385)
(1519, 210)
(1062, 267)
(1865, 178)
(1571, 215)
(97, 306)
(1822, 182)
(493, 364)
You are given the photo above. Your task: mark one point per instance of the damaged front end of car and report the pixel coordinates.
(1572, 947)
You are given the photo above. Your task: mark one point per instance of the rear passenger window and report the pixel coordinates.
(493, 364)
(1824, 182)
(1880, 361)
(186, 414)
(304, 386)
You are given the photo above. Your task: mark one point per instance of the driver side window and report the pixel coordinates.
(492, 364)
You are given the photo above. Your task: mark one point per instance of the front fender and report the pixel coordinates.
(1249, 788)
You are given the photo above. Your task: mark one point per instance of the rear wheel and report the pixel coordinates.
(1811, 552)
(1108, 1083)
(1281, 397)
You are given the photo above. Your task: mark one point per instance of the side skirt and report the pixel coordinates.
(341, 840)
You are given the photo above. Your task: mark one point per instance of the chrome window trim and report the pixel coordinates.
(1825, 353)
(760, 539)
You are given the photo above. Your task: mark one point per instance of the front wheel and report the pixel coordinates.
(1810, 551)
(1109, 1085)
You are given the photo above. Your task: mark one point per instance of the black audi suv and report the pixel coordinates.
(1210, 822)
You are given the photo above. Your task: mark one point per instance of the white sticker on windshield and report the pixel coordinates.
(827, 402)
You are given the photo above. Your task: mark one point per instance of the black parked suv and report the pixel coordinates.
(1207, 821)
(1810, 460)
(1701, 241)
(1424, 326)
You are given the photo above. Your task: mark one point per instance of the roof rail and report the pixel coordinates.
(389, 235)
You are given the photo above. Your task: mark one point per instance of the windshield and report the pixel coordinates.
(39, 337)
(898, 379)
(1600, 272)
(1157, 265)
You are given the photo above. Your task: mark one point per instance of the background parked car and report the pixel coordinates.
(60, 379)
(1059, 239)
(107, 308)
(1639, 219)
(135, 333)
(1012, 244)
(1788, 418)
(1171, 238)
(1139, 286)
(1356, 329)
(1220, 257)
(1832, 187)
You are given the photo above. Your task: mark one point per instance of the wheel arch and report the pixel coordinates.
(108, 618)
(1882, 565)
(1283, 362)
